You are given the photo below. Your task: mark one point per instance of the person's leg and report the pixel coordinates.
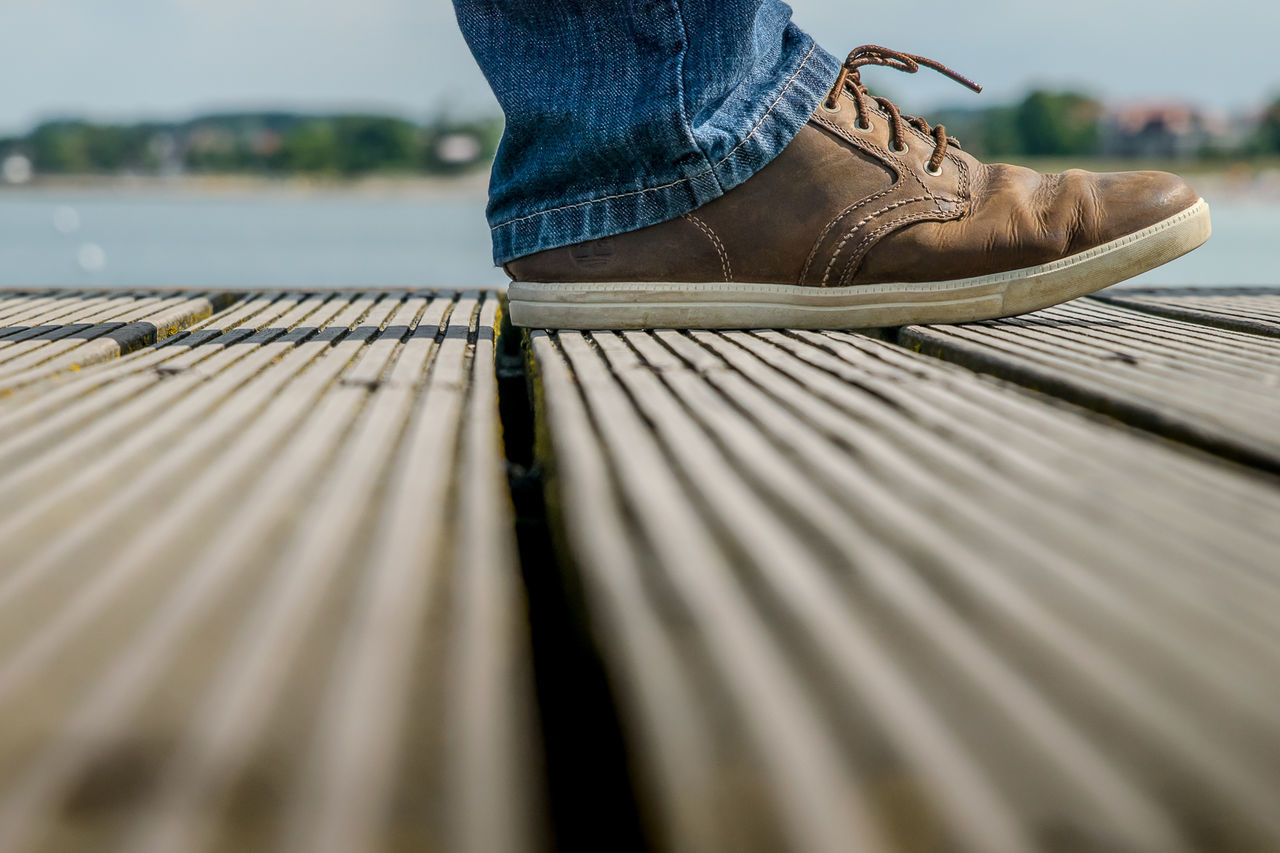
(627, 113)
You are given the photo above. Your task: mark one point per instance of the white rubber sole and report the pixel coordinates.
(721, 305)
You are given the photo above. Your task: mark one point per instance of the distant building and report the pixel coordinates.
(164, 153)
(264, 142)
(211, 140)
(1172, 131)
(458, 149)
(17, 169)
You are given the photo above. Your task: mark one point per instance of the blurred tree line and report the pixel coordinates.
(1043, 124)
(265, 143)
(1269, 129)
(1070, 124)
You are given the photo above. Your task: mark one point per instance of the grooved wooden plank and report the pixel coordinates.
(149, 323)
(811, 797)
(1210, 387)
(260, 590)
(79, 319)
(50, 309)
(659, 688)
(489, 683)
(14, 306)
(78, 473)
(1243, 309)
(106, 392)
(1002, 623)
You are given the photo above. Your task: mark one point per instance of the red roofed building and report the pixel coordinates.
(1158, 131)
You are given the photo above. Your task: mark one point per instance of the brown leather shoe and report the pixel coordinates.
(868, 218)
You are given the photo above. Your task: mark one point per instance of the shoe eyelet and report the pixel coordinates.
(929, 171)
(900, 148)
(863, 128)
(828, 108)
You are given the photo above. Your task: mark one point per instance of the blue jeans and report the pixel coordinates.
(626, 113)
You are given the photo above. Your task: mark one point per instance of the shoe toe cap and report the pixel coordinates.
(1126, 202)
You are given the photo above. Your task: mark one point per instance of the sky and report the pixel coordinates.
(128, 59)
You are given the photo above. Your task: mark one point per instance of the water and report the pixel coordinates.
(1244, 249)
(271, 239)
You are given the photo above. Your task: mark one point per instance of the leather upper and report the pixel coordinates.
(841, 206)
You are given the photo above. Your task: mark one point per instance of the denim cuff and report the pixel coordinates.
(784, 109)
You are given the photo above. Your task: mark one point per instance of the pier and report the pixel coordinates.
(373, 570)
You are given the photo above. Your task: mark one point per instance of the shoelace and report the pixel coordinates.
(850, 77)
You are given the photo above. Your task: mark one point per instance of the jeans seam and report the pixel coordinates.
(781, 94)
(682, 89)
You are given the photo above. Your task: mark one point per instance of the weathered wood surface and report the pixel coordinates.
(852, 597)
(1244, 309)
(44, 334)
(258, 585)
(1215, 388)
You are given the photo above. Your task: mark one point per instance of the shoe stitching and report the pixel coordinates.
(835, 255)
(813, 253)
(859, 252)
(715, 241)
(874, 150)
(884, 154)
(786, 87)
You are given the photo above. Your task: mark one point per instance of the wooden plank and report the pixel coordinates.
(16, 305)
(659, 688)
(806, 800)
(143, 325)
(75, 320)
(63, 409)
(48, 310)
(260, 591)
(818, 562)
(1243, 309)
(1209, 387)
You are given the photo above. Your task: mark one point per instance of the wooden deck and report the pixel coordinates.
(1000, 587)
(852, 596)
(259, 586)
